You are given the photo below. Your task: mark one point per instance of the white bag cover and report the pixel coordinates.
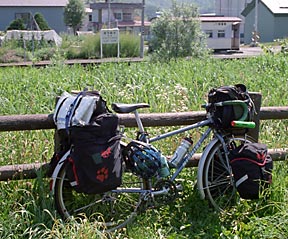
(80, 109)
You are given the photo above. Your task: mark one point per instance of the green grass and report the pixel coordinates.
(73, 47)
(26, 208)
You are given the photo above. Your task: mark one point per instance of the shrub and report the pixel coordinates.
(42, 23)
(176, 33)
(16, 24)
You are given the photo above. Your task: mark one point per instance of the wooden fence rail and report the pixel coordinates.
(45, 121)
(29, 171)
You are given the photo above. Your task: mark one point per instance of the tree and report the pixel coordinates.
(176, 33)
(74, 13)
(42, 23)
(16, 24)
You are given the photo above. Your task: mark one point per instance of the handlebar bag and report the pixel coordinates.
(252, 169)
(224, 115)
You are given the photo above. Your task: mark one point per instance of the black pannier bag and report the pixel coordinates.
(63, 107)
(87, 127)
(252, 169)
(224, 115)
(94, 164)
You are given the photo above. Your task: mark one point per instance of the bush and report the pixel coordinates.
(16, 24)
(176, 33)
(44, 54)
(42, 23)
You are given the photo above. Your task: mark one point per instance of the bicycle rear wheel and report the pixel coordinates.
(111, 210)
(218, 181)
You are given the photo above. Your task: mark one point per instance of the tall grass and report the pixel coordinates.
(90, 47)
(27, 210)
(73, 47)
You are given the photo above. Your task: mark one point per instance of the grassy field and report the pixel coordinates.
(72, 47)
(27, 209)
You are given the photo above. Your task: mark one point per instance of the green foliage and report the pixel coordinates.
(42, 23)
(16, 24)
(73, 47)
(176, 33)
(129, 45)
(74, 13)
(27, 210)
(284, 45)
(88, 47)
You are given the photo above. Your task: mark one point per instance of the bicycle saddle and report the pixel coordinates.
(128, 108)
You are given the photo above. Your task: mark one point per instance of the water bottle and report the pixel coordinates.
(180, 152)
(164, 169)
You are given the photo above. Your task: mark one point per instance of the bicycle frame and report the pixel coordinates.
(186, 158)
(195, 147)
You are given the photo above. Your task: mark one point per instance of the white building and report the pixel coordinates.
(223, 33)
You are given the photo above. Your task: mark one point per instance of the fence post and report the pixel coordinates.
(257, 99)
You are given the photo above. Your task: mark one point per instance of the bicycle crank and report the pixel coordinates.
(168, 192)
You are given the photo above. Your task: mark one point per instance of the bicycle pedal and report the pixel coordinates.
(179, 187)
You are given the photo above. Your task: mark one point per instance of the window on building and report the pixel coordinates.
(221, 33)
(118, 16)
(90, 17)
(127, 16)
(25, 16)
(209, 33)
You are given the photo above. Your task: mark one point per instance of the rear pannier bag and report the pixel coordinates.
(224, 115)
(94, 164)
(87, 128)
(252, 169)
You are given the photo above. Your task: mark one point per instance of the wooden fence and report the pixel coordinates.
(45, 121)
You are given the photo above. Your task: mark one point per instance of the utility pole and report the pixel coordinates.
(142, 30)
(109, 10)
(255, 33)
(256, 16)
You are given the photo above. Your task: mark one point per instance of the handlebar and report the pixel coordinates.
(239, 123)
(240, 103)
(243, 124)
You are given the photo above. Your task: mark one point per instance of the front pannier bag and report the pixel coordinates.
(252, 169)
(224, 115)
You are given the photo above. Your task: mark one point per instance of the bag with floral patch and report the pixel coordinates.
(94, 164)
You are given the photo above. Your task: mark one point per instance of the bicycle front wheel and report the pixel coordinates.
(218, 181)
(111, 210)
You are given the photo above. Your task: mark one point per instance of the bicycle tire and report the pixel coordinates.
(111, 210)
(218, 181)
